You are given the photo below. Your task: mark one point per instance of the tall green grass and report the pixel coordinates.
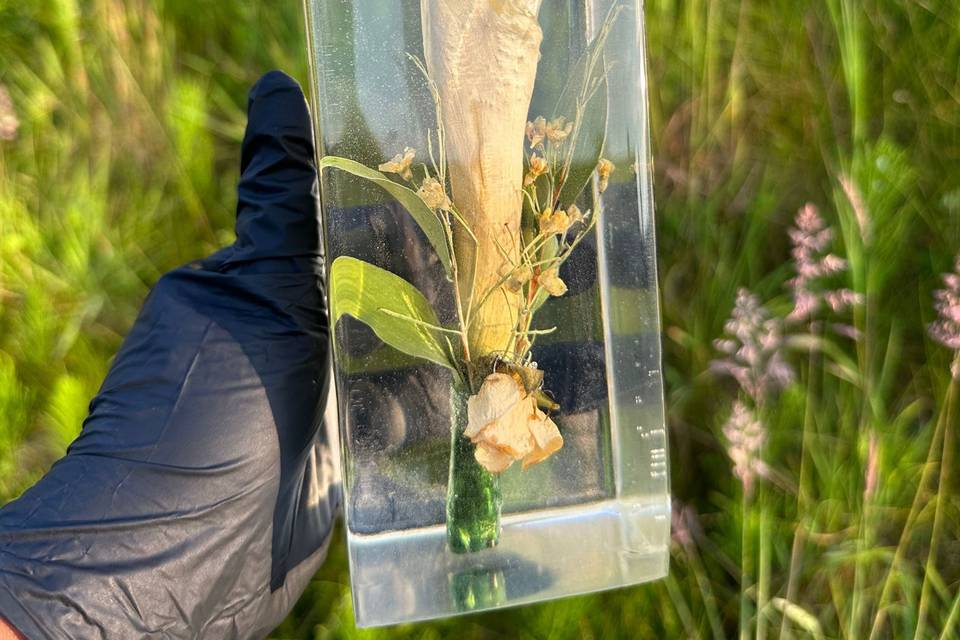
(124, 165)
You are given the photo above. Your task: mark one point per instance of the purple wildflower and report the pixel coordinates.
(8, 118)
(811, 238)
(753, 349)
(946, 328)
(745, 435)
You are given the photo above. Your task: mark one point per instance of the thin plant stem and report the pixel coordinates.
(763, 573)
(901, 550)
(951, 618)
(706, 592)
(864, 538)
(763, 564)
(943, 487)
(681, 606)
(803, 497)
(745, 566)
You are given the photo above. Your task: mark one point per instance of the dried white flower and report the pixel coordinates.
(503, 420)
(400, 164)
(518, 277)
(433, 195)
(604, 169)
(550, 280)
(558, 129)
(536, 131)
(538, 167)
(552, 222)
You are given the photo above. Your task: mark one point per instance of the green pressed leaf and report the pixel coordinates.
(395, 310)
(422, 214)
(587, 85)
(590, 133)
(566, 24)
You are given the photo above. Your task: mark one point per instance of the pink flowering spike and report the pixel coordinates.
(946, 328)
(805, 305)
(752, 349)
(811, 239)
(846, 330)
(745, 435)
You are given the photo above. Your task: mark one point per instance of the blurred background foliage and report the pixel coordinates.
(119, 146)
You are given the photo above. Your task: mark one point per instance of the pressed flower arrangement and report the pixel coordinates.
(504, 194)
(500, 277)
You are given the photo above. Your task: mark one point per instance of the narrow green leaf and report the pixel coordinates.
(422, 214)
(586, 85)
(799, 616)
(377, 298)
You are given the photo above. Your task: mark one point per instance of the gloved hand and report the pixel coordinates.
(199, 497)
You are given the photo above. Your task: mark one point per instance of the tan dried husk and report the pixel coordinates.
(483, 56)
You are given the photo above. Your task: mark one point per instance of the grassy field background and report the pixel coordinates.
(824, 501)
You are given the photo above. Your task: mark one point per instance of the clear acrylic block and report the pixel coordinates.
(494, 303)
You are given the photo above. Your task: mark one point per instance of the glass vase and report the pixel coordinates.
(488, 224)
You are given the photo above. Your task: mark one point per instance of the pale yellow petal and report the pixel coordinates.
(491, 458)
(511, 432)
(550, 280)
(547, 437)
(498, 394)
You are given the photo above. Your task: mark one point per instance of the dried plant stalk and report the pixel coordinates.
(483, 56)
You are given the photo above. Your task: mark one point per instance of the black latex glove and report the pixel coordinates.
(199, 497)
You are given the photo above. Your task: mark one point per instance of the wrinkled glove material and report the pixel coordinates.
(199, 497)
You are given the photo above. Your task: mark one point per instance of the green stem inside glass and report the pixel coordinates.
(473, 493)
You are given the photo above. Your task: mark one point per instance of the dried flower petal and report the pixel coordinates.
(497, 396)
(604, 169)
(554, 222)
(550, 280)
(518, 277)
(400, 164)
(492, 459)
(536, 131)
(433, 195)
(511, 433)
(546, 436)
(538, 167)
(558, 129)
(506, 425)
